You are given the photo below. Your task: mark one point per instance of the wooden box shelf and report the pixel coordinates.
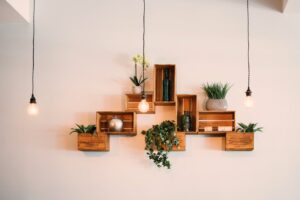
(239, 141)
(181, 138)
(187, 102)
(159, 77)
(128, 118)
(132, 102)
(216, 122)
(97, 142)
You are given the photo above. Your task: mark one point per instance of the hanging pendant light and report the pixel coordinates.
(144, 105)
(248, 100)
(32, 107)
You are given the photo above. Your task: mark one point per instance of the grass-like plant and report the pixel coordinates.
(136, 81)
(216, 90)
(81, 129)
(160, 140)
(249, 128)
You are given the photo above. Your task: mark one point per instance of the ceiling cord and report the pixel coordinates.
(33, 50)
(248, 36)
(144, 31)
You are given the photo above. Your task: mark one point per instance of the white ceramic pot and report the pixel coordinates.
(216, 104)
(137, 89)
(115, 124)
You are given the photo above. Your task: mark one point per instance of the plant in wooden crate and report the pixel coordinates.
(216, 93)
(160, 139)
(243, 139)
(249, 128)
(137, 82)
(81, 129)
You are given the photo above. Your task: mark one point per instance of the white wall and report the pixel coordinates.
(84, 51)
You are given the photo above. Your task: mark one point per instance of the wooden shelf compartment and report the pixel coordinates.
(216, 120)
(187, 102)
(239, 141)
(159, 77)
(132, 102)
(128, 118)
(89, 142)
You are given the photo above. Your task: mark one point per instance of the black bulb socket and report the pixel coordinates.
(248, 92)
(32, 99)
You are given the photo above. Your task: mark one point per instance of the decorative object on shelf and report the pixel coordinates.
(81, 129)
(115, 124)
(166, 85)
(243, 139)
(249, 128)
(248, 100)
(160, 139)
(144, 105)
(216, 93)
(32, 107)
(186, 121)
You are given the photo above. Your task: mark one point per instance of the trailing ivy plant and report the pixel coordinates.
(216, 90)
(81, 129)
(160, 140)
(249, 128)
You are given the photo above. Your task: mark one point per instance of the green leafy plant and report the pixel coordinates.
(81, 129)
(160, 140)
(216, 90)
(136, 81)
(249, 128)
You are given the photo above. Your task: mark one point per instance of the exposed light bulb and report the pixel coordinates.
(32, 109)
(249, 101)
(143, 106)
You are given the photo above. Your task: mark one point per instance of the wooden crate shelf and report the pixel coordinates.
(219, 122)
(132, 103)
(239, 141)
(128, 118)
(97, 142)
(187, 102)
(159, 77)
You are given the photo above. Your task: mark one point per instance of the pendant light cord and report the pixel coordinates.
(144, 30)
(248, 36)
(33, 50)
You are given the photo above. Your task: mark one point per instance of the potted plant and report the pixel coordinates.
(160, 140)
(89, 140)
(216, 93)
(137, 82)
(243, 139)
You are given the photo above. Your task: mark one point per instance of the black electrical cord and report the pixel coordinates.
(32, 99)
(144, 32)
(248, 92)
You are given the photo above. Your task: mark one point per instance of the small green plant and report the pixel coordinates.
(81, 129)
(249, 128)
(160, 140)
(136, 81)
(216, 90)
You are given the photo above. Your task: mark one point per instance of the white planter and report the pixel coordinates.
(216, 104)
(137, 89)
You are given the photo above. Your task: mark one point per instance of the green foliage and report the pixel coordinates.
(136, 81)
(159, 142)
(216, 90)
(80, 129)
(249, 128)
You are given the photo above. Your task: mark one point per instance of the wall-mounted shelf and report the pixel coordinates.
(181, 138)
(97, 142)
(159, 77)
(128, 118)
(216, 122)
(239, 141)
(132, 103)
(187, 102)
